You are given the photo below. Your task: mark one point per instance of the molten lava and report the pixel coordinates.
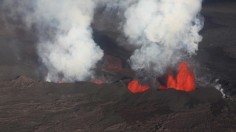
(98, 81)
(135, 87)
(60, 82)
(184, 81)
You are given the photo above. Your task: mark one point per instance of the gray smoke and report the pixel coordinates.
(163, 32)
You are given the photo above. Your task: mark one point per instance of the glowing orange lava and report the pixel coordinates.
(135, 87)
(60, 82)
(184, 81)
(98, 81)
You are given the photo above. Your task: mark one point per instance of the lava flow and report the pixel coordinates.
(135, 87)
(98, 81)
(184, 80)
(60, 82)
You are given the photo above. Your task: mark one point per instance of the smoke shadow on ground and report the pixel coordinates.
(109, 45)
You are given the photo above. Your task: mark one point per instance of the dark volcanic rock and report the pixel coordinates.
(28, 105)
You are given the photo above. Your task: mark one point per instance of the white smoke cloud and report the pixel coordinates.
(72, 53)
(162, 30)
(66, 46)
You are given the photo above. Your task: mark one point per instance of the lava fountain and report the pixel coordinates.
(136, 87)
(183, 81)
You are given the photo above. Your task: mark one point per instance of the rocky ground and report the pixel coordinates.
(29, 104)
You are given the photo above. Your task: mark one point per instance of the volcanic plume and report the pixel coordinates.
(66, 47)
(72, 53)
(163, 32)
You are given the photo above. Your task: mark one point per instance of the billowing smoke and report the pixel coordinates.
(72, 53)
(163, 31)
(66, 46)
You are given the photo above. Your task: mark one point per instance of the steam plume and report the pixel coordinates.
(162, 30)
(72, 53)
(66, 46)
